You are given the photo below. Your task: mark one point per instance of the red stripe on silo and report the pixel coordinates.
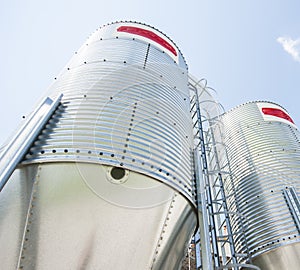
(148, 34)
(278, 113)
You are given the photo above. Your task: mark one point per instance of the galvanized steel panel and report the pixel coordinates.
(264, 159)
(125, 105)
(74, 216)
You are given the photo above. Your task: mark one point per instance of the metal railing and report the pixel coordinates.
(216, 243)
(15, 150)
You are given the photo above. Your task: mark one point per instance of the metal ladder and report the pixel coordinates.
(217, 245)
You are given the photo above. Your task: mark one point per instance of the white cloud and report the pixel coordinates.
(291, 46)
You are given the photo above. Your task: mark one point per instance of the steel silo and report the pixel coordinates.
(258, 145)
(107, 182)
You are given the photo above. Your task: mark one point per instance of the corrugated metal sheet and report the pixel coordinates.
(264, 158)
(125, 105)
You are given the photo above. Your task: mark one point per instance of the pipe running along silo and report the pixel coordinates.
(260, 143)
(108, 181)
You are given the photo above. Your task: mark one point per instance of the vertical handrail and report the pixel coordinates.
(202, 215)
(204, 189)
(218, 249)
(15, 150)
(293, 203)
(223, 196)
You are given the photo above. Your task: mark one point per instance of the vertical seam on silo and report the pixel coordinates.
(146, 57)
(160, 239)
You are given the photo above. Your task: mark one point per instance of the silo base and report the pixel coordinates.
(285, 257)
(68, 215)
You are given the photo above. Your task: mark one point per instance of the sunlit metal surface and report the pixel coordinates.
(71, 216)
(107, 179)
(15, 150)
(126, 105)
(108, 183)
(264, 159)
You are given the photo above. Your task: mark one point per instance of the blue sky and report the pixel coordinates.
(247, 50)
